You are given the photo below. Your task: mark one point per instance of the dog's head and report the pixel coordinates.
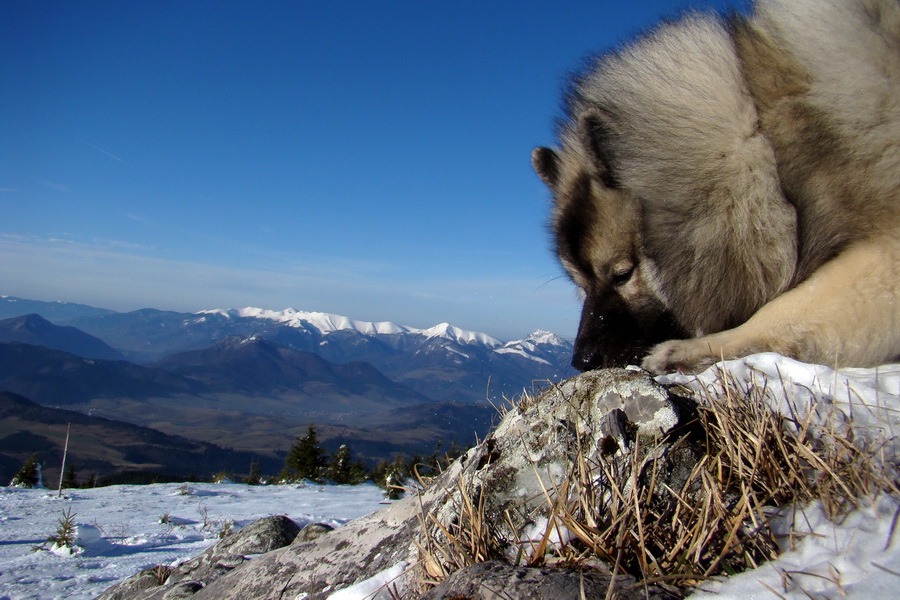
(596, 229)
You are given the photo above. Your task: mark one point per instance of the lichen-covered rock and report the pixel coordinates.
(138, 586)
(312, 532)
(497, 580)
(515, 474)
(189, 577)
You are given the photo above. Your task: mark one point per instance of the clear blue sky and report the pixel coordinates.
(365, 158)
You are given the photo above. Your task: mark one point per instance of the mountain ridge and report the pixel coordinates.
(443, 362)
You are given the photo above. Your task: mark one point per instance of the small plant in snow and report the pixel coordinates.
(225, 529)
(161, 573)
(222, 477)
(185, 490)
(65, 535)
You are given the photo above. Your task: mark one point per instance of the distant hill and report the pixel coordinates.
(102, 446)
(10, 306)
(35, 330)
(56, 378)
(258, 367)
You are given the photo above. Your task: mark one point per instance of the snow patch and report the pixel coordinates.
(385, 585)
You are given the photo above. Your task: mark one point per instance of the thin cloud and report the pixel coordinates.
(59, 187)
(101, 150)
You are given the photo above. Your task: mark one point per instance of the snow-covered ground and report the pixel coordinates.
(120, 530)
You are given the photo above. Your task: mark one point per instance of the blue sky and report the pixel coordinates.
(366, 158)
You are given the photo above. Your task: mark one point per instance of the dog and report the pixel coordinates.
(726, 186)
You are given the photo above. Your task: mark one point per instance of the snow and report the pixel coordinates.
(120, 533)
(512, 348)
(386, 585)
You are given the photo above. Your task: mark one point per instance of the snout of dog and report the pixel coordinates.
(612, 334)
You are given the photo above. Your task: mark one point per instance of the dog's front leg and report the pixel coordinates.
(845, 314)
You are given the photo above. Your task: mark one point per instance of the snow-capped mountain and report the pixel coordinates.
(327, 323)
(442, 362)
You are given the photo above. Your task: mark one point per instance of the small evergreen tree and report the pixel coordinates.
(395, 475)
(306, 459)
(27, 475)
(69, 479)
(254, 477)
(343, 469)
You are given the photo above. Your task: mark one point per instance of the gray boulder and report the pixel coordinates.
(188, 578)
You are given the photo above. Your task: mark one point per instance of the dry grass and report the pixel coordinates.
(695, 504)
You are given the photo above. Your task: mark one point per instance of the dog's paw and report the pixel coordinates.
(685, 356)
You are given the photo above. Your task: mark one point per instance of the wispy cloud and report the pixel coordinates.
(59, 187)
(101, 150)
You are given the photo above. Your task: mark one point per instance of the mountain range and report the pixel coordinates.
(444, 363)
(253, 379)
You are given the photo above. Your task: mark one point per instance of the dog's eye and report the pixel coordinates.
(622, 276)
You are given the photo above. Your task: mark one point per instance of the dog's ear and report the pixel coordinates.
(545, 163)
(596, 137)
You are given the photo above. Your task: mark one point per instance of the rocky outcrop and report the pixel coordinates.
(508, 486)
(498, 580)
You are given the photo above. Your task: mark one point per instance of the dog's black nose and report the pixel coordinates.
(587, 361)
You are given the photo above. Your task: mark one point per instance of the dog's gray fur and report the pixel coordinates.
(736, 183)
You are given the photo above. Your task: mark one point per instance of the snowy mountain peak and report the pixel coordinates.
(448, 331)
(324, 322)
(328, 322)
(541, 337)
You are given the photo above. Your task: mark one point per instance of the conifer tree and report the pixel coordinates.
(306, 458)
(343, 469)
(395, 477)
(27, 475)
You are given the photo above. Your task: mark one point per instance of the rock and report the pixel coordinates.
(311, 532)
(189, 577)
(600, 415)
(497, 580)
(515, 474)
(185, 589)
(138, 585)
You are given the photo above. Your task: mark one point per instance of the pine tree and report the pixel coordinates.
(343, 469)
(27, 475)
(306, 458)
(395, 477)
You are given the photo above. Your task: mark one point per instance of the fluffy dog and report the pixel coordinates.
(730, 186)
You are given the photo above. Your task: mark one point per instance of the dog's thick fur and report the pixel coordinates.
(724, 187)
